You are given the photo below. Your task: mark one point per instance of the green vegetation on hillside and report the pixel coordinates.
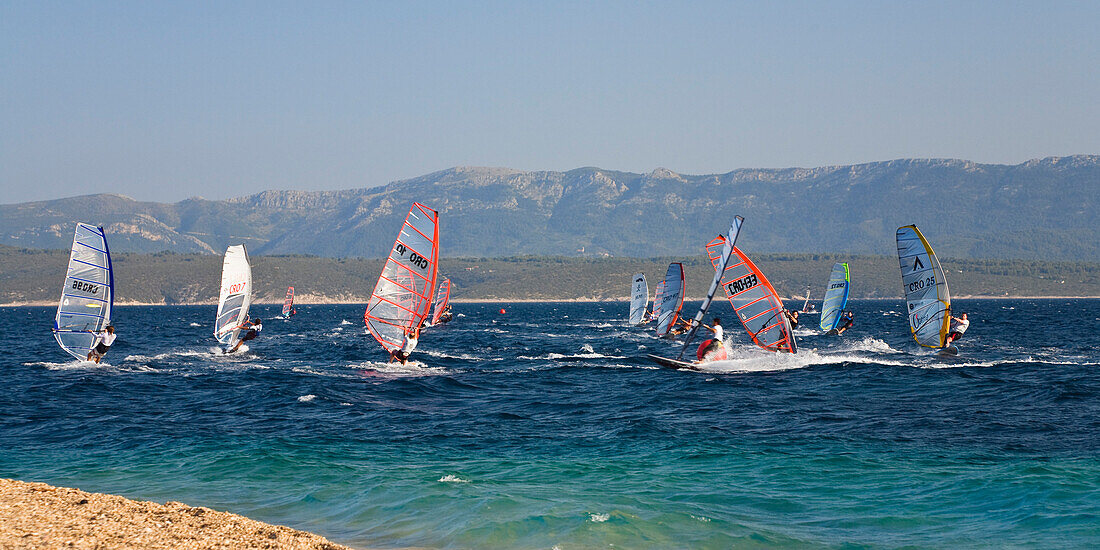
(36, 275)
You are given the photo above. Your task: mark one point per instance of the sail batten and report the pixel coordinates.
(402, 297)
(88, 287)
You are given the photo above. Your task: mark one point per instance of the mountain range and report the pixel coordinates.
(1041, 209)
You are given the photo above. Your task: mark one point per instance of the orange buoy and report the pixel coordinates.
(502, 311)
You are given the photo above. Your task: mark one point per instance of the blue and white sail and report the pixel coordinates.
(836, 296)
(235, 296)
(719, 270)
(639, 298)
(925, 287)
(88, 294)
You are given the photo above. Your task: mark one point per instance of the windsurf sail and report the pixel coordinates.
(442, 296)
(288, 303)
(639, 298)
(925, 287)
(754, 299)
(235, 297)
(672, 298)
(88, 293)
(806, 304)
(402, 296)
(720, 262)
(657, 296)
(836, 296)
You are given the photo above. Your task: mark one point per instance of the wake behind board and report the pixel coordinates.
(672, 363)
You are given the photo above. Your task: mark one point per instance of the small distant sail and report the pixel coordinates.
(925, 287)
(657, 296)
(442, 297)
(672, 298)
(806, 304)
(235, 297)
(720, 261)
(88, 294)
(754, 299)
(639, 298)
(836, 296)
(288, 303)
(402, 296)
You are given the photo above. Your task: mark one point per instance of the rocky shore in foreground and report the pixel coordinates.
(37, 515)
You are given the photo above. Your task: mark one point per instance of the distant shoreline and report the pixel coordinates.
(44, 303)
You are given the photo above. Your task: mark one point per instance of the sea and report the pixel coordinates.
(544, 425)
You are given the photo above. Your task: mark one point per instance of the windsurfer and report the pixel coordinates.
(958, 327)
(402, 354)
(446, 316)
(845, 322)
(682, 326)
(104, 340)
(254, 327)
(792, 316)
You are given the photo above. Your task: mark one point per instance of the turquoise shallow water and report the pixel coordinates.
(547, 427)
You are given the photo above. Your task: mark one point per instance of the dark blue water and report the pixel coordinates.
(546, 426)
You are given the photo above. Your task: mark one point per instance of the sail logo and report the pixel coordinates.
(86, 287)
(917, 264)
(836, 285)
(235, 288)
(414, 258)
(742, 284)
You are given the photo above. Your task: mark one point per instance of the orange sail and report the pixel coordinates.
(754, 299)
(403, 295)
(442, 297)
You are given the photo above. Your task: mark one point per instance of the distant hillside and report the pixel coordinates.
(36, 276)
(1041, 209)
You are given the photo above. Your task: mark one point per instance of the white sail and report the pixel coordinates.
(88, 293)
(672, 298)
(639, 298)
(925, 287)
(235, 297)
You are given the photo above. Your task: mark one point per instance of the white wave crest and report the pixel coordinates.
(195, 325)
(306, 398)
(599, 518)
(449, 478)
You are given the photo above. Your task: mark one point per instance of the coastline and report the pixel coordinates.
(50, 303)
(38, 515)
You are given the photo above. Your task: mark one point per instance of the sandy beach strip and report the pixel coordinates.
(37, 515)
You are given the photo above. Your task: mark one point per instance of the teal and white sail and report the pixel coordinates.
(235, 297)
(836, 296)
(639, 298)
(925, 287)
(88, 294)
(672, 298)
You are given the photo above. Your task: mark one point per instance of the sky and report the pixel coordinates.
(168, 100)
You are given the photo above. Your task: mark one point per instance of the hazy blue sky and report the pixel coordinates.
(162, 101)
